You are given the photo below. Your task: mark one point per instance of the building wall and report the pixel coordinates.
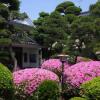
(32, 54)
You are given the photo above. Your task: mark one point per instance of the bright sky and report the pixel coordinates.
(34, 7)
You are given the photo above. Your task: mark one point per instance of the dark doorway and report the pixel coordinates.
(18, 55)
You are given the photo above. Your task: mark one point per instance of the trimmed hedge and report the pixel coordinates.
(48, 90)
(6, 83)
(91, 89)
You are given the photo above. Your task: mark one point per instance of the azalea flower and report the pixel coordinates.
(32, 78)
(82, 72)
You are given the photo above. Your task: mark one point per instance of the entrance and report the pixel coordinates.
(18, 55)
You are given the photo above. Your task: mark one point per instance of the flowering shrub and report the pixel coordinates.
(54, 65)
(28, 80)
(6, 83)
(81, 72)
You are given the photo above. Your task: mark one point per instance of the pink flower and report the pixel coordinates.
(54, 65)
(32, 78)
(82, 72)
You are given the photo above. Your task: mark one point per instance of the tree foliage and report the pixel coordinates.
(84, 36)
(73, 10)
(68, 8)
(51, 29)
(12, 4)
(4, 12)
(17, 15)
(67, 31)
(95, 9)
(9, 10)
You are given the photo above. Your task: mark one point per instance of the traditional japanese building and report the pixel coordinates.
(27, 51)
(24, 50)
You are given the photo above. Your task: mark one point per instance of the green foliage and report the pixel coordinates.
(13, 4)
(55, 27)
(71, 59)
(78, 98)
(61, 7)
(73, 10)
(17, 15)
(2, 22)
(50, 29)
(9, 10)
(48, 90)
(83, 36)
(82, 25)
(70, 18)
(65, 27)
(43, 14)
(5, 57)
(19, 93)
(4, 34)
(68, 8)
(91, 89)
(97, 27)
(70, 91)
(6, 84)
(95, 9)
(4, 12)
(5, 41)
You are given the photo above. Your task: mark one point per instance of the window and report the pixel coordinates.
(25, 57)
(32, 58)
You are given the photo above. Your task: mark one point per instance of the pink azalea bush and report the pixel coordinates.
(82, 72)
(30, 79)
(54, 65)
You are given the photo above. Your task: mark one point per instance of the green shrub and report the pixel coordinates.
(6, 84)
(91, 89)
(48, 90)
(70, 91)
(78, 98)
(5, 40)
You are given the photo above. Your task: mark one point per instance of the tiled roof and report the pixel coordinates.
(26, 21)
(22, 38)
(19, 38)
(84, 13)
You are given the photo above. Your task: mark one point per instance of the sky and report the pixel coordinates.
(34, 7)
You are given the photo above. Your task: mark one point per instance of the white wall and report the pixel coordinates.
(31, 51)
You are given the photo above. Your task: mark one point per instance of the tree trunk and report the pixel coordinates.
(14, 59)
